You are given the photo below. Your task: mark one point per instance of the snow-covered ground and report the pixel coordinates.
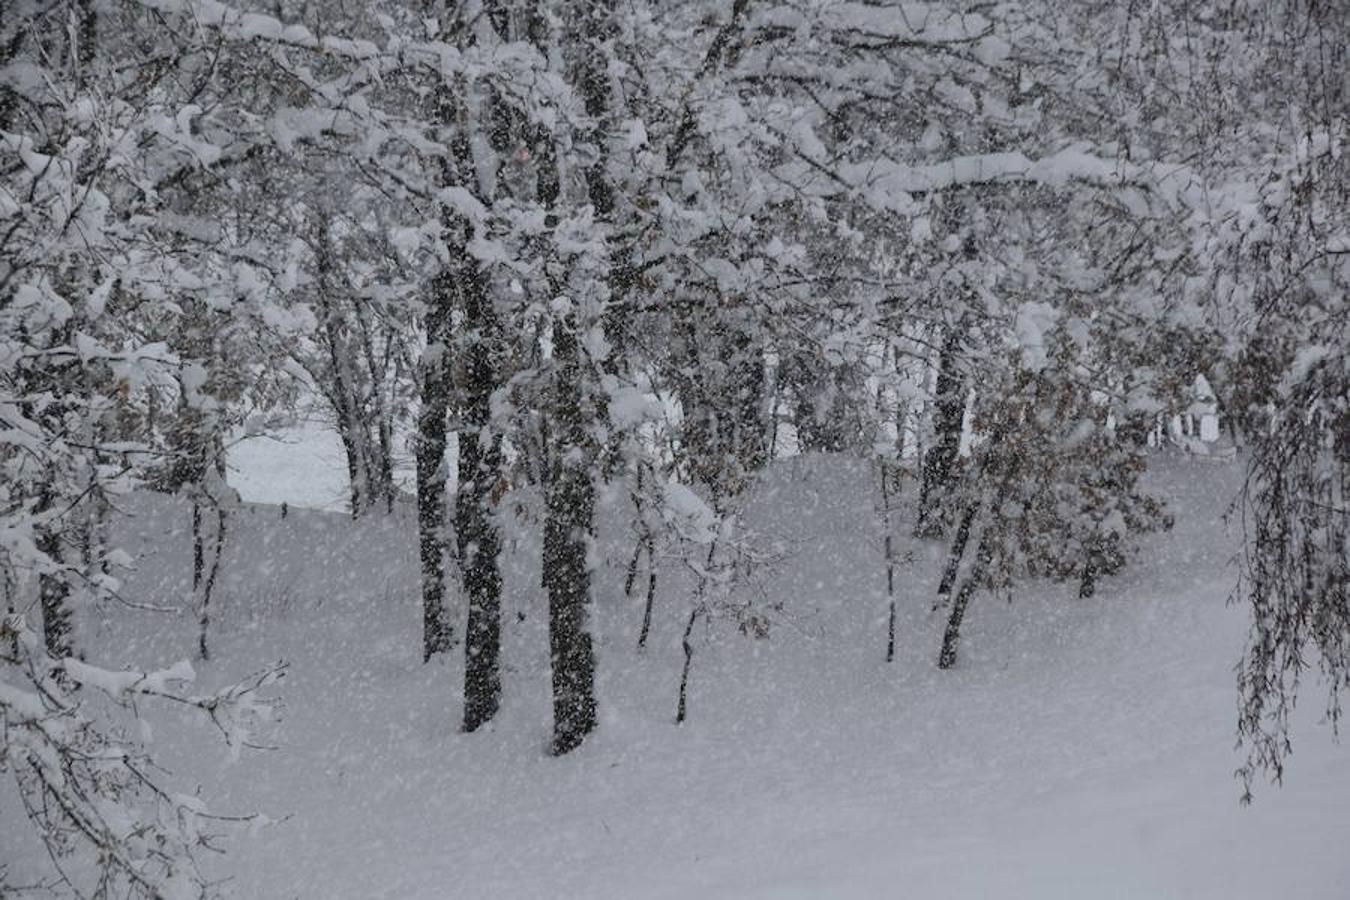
(1081, 749)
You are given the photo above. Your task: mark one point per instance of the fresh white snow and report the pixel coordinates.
(1081, 749)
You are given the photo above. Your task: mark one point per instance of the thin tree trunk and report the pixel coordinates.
(958, 550)
(355, 479)
(631, 577)
(208, 587)
(681, 710)
(775, 404)
(7, 581)
(387, 463)
(939, 462)
(1087, 585)
(700, 607)
(888, 549)
(651, 594)
(952, 635)
(645, 543)
(432, 426)
(198, 544)
(575, 458)
(343, 392)
(379, 447)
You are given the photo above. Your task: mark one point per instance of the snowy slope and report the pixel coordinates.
(1082, 749)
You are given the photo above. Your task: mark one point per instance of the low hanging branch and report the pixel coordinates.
(95, 795)
(1295, 569)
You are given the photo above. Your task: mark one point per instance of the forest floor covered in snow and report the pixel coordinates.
(1081, 748)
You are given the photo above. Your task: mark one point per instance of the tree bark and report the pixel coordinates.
(567, 534)
(452, 290)
(479, 546)
(958, 550)
(952, 635)
(476, 530)
(681, 709)
(1087, 585)
(646, 543)
(432, 425)
(651, 593)
(888, 549)
(575, 409)
(939, 462)
(208, 586)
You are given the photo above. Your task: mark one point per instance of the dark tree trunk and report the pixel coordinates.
(567, 532)
(198, 455)
(681, 709)
(1088, 585)
(208, 586)
(890, 619)
(387, 463)
(7, 583)
(651, 593)
(479, 376)
(888, 549)
(198, 545)
(480, 486)
(437, 633)
(355, 495)
(631, 578)
(479, 546)
(646, 543)
(458, 277)
(380, 443)
(348, 416)
(952, 635)
(574, 456)
(958, 550)
(1092, 555)
(939, 462)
